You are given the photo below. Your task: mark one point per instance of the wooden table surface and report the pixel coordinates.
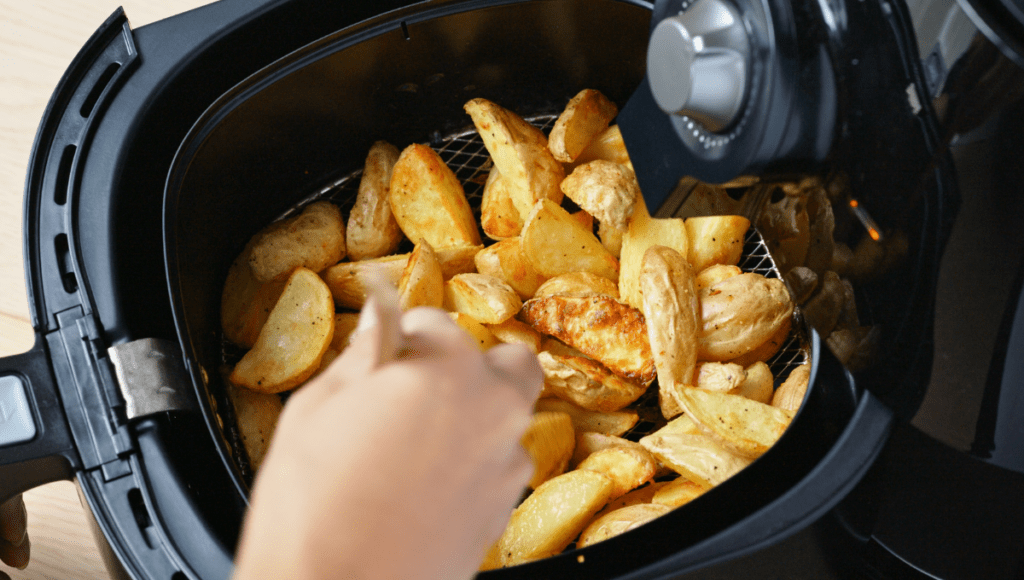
(38, 40)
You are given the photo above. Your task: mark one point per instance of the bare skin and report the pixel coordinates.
(401, 460)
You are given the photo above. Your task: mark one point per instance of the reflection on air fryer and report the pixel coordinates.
(546, 241)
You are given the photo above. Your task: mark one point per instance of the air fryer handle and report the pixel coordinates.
(36, 446)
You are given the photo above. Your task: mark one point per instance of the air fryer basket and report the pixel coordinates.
(301, 127)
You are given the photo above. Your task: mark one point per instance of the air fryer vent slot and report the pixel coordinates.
(60, 190)
(101, 83)
(67, 270)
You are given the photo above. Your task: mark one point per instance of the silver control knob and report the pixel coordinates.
(697, 63)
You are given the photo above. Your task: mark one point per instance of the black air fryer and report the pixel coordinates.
(164, 149)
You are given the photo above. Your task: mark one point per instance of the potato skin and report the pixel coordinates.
(372, 231)
(606, 190)
(314, 239)
(739, 314)
(585, 116)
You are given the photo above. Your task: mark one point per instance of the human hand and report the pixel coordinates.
(401, 460)
(14, 543)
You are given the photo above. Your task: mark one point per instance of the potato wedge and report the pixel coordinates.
(314, 239)
(745, 427)
(256, 415)
(613, 423)
(486, 298)
(588, 442)
(640, 495)
(672, 314)
(585, 219)
(682, 446)
(552, 516)
(246, 302)
(507, 261)
(768, 348)
(759, 384)
(586, 383)
(499, 217)
(422, 283)
(292, 342)
(790, 394)
(516, 332)
(628, 466)
(428, 202)
(349, 281)
(578, 285)
(602, 328)
(678, 492)
(716, 240)
(586, 116)
(620, 521)
(520, 152)
(548, 234)
(739, 314)
(720, 377)
(714, 274)
(372, 231)
(611, 238)
(607, 145)
(644, 232)
(476, 332)
(549, 441)
(606, 190)
(345, 324)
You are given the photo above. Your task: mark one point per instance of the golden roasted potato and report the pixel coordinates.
(516, 332)
(499, 217)
(714, 274)
(246, 302)
(586, 382)
(314, 239)
(716, 240)
(578, 285)
(628, 466)
(739, 314)
(620, 521)
(607, 145)
(602, 328)
(644, 232)
(672, 314)
(790, 394)
(682, 446)
(350, 281)
(745, 427)
(422, 283)
(605, 190)
(611, 239)
(720, 377)
(759, 384)
(586, 116)
(428, 202)
(372, 231)
(520, 152)
(641, 495)
(256, 415)
(507, 261)
(552, 516)
(486, 298)
(476, 332)
(292, 342)
(768, 348)
(549, 441)
(678, 492)
(588, 442)
(585, 219)
(613, 423)
(548, 234)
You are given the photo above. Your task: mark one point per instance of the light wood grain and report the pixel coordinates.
(38, 40)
